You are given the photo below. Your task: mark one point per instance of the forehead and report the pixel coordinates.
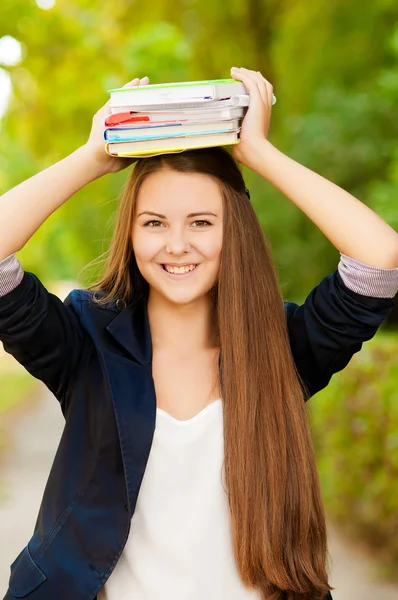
(176, 192)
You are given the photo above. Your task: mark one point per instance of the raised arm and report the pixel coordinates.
(44, 334)
(341, 313)
(351, 226)
(25, 207)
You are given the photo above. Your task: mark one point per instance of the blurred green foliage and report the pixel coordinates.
(19, 385)
(334, 71)
(354, 424)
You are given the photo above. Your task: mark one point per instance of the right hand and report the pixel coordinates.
(96, 143)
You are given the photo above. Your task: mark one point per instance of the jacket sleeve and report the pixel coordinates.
(41, 332)
(334, 321)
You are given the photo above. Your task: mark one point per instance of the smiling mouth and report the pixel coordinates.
(176, 275)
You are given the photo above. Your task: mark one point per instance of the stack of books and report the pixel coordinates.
(172, 117)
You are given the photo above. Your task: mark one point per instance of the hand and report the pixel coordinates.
(96, 142)
(256, 122)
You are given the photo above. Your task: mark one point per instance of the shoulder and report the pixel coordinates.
(82, 300)
(330, 327)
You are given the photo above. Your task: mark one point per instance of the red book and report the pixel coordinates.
(125, 117)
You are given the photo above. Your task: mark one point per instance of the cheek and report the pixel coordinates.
(212, 248)
(145, 247)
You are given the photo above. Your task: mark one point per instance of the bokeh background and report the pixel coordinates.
(334, 68)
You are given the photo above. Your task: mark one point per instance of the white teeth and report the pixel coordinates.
(179, 269)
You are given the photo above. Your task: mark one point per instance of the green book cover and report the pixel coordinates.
(172, 85)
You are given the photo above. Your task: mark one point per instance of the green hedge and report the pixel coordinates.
(354, 422)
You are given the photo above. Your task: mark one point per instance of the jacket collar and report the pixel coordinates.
(130, 328)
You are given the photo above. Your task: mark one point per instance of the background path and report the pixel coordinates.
(25, 473)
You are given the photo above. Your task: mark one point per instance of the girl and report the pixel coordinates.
(186, 468)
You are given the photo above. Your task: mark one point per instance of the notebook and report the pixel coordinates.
(129, 117)
(188, 104)
(169, 145)
(158, 131)
(167, 93)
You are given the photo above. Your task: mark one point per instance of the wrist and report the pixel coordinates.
(95, 163)
(262, 153)
(256, 154)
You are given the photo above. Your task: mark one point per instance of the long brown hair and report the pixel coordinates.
(271, 478)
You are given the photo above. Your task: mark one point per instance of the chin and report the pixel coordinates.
(181, 297)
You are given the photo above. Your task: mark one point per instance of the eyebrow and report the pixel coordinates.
(195, 214)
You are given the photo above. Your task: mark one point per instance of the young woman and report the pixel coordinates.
(186, 468)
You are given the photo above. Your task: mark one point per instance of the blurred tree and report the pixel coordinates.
(333, 67)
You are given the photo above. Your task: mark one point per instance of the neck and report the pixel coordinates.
(181, 328)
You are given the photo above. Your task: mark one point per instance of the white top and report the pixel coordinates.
(180, 544)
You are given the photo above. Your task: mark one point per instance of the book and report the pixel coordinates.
(129, 117)
(173, 117)
(166, 93)
(158, 131)
(169, 145)
(188, 103)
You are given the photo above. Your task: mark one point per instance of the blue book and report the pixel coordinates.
(157, 132)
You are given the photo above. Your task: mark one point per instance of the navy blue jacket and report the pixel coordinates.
(97, 363)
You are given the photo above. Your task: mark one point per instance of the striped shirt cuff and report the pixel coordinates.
(368, 280)
(359, 277)
(11, 274)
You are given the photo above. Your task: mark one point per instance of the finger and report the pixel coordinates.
(269, 84)
(265, 87)
(251, 76)
(135, 81)
(262, 85)
(249, 82)
(269, 87)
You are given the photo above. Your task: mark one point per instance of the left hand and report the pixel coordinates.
(256, 122)
(96, 144)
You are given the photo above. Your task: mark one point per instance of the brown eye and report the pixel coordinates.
(206, 222)
(149, 222)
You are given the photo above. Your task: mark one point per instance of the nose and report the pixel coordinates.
(177, 241)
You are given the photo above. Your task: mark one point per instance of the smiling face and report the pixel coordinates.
(177, 235)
